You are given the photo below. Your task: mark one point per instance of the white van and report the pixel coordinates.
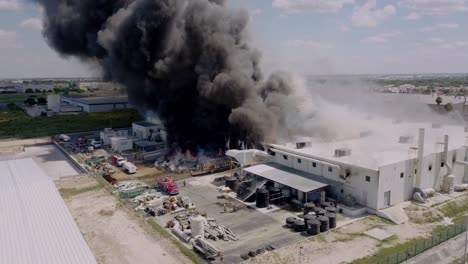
(129, 167)
(64, 138)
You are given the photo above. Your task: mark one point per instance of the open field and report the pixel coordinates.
(113, 234)
(16, 124)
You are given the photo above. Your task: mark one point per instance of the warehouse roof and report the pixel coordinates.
(380, 145)
(299, 180)
(99, 100)
(36, 226)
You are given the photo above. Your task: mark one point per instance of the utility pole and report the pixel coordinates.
(300, 254)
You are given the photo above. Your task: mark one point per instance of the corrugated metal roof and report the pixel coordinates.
(299, 180)
(35, 224)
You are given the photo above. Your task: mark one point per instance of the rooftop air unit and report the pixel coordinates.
(300, 145)
(342, 152)
(406, 139)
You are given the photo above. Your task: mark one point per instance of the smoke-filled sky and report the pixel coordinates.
(307, 36)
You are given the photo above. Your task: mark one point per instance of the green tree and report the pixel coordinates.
(439, 100)
(29, 90)
(30, 101)
(41, 101)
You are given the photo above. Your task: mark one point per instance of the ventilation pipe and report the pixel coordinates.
(420, 157)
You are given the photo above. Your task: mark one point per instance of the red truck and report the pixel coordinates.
(168, 186)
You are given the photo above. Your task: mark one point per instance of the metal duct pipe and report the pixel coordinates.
(420, 157)
(445, 157)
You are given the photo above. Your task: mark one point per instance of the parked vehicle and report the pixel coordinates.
(118, 160)
(64, 138)
(168, 186)
(129, 167)
(96, 144)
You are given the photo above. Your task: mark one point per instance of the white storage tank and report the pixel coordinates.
(197, 225)
(53, 102)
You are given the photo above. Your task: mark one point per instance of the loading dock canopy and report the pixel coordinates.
(299, 180)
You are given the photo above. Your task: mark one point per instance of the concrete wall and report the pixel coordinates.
(355, 185)
(402, 188)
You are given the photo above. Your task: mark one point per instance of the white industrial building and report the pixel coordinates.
(148, 131)
(376, 171)
(120, 144)
(36, 226)
(98, 104)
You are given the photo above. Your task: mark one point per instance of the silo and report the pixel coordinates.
(53, 102)
(197, 225)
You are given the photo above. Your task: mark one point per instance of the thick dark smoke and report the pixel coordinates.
(189, 60)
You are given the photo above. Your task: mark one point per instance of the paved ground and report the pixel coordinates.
(49, 158)
(445, 253)
(254, 229)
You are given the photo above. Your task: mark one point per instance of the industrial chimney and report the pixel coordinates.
(420, 157)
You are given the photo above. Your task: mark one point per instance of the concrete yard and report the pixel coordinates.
(49, 158)
(254, 229)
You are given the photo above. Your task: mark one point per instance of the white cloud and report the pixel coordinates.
(33, 23)
(9, 39)
(309, 44)
(369, 15)
(435, 7)
(381, 38)
(437, 40)
(413, 16)
(9, 5)
(440, 27)
(311, 5)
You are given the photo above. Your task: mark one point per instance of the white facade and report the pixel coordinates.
(53, 102)
(383, 175)
(121, 144)
(106, 136)
(148, 131)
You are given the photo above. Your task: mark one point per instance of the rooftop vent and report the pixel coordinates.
(342, 152)
(406, 139)
(364, 134)
(300, 145)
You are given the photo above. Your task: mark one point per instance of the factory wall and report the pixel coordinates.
(398, 179)
(361, 184)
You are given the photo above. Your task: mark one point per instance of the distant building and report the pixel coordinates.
(98, 104)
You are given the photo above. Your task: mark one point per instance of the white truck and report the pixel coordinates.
(129, 167)
(64, 138)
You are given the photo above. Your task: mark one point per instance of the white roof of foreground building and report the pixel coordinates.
(35, 224)
(378, 145)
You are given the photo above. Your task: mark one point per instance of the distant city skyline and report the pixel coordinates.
(313, 37)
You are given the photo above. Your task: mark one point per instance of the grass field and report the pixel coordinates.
(18, 98)
(16, 124)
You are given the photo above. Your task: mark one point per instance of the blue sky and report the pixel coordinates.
(305, 36)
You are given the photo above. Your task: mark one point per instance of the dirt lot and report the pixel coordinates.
(113, 233)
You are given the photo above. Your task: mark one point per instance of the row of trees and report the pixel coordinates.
(32, 101)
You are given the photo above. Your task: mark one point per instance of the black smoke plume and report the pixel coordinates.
(189, 60)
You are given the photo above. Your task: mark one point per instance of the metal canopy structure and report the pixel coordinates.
(296, 179)
(35, 224)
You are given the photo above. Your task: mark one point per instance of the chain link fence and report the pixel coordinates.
(424, 244)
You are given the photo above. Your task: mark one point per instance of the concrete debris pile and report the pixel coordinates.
(125, 186)
(104, 169)
(177, 204)
(150, 199)
(171, 167)
(204, 248)
(215, 231)
(211, 166)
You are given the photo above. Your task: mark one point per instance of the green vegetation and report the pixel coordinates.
(18, 97)
(16, 124)
(387, 252)
(185, 250)
(455, 209)
(67, 193)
